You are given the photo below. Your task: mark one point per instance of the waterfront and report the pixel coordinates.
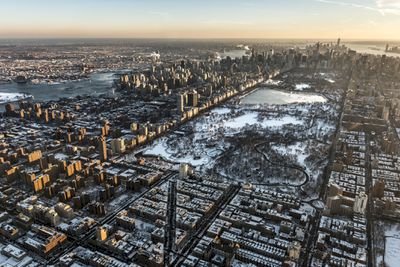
(98, 83)
(373, 48)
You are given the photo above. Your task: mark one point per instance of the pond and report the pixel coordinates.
(276, 97)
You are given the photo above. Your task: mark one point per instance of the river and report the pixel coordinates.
(98, 83)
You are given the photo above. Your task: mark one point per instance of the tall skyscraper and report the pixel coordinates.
(102, 149)
(181, 103)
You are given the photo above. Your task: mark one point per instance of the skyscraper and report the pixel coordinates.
(181, 103)
(102, 149)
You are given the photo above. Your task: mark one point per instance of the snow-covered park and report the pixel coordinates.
(204, 141)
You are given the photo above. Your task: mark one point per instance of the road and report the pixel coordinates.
(313, 232)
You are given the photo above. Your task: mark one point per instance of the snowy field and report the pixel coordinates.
(161, 149)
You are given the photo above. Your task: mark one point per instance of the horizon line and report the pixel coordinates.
(193, 38)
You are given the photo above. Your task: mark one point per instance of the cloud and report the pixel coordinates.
(388, 3)
(382, 6)
(348, 4)
(389, 6)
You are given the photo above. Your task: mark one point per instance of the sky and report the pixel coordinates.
(297, 19)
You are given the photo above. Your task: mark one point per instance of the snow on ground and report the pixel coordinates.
(324, 127)
(272, 82)
(221, 111)
(11, 97)
(298, 153)
(279, 122)
(143, 226)
(297, 149)
(160, 149)
(327, 77)
(251, 118)
(241, 121)
(392, 252)
(60, 156)
(301, 86)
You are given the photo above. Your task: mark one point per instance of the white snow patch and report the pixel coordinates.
(272, 82)
(295, 149)
(159, 149)
(278, 122)
(60, 156)
(329, 80)
(301, 86)
(221, 111)
(241, 121)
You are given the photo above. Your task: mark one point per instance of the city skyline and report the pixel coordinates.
(304, 19)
